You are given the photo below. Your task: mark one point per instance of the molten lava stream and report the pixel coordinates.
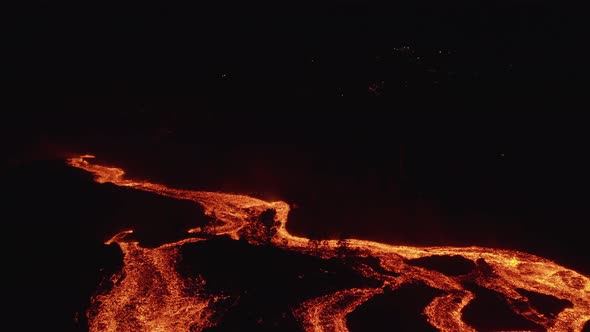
(149, 295)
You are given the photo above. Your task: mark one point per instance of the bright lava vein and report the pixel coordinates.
(150, 295)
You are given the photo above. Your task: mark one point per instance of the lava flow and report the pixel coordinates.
(149, 294)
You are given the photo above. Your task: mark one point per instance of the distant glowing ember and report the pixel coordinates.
(149, 294)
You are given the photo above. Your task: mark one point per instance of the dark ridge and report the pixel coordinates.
(489, 311)
(61, 199)
(454, 265)
(398, 310)
(548, 305)
(485, 268)
(264, 283)
(55, 244)
(155, 219)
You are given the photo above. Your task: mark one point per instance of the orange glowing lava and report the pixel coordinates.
(149, 295)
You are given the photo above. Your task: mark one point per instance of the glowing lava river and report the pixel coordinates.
(150, 295)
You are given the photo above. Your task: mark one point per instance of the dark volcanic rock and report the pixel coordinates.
(264, 283)
(450, 265)
(548, 305)
(398, 310)
(489, 311)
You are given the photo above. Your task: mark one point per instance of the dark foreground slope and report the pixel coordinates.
(56, 220)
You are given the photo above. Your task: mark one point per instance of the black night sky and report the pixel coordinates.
(410, 122)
